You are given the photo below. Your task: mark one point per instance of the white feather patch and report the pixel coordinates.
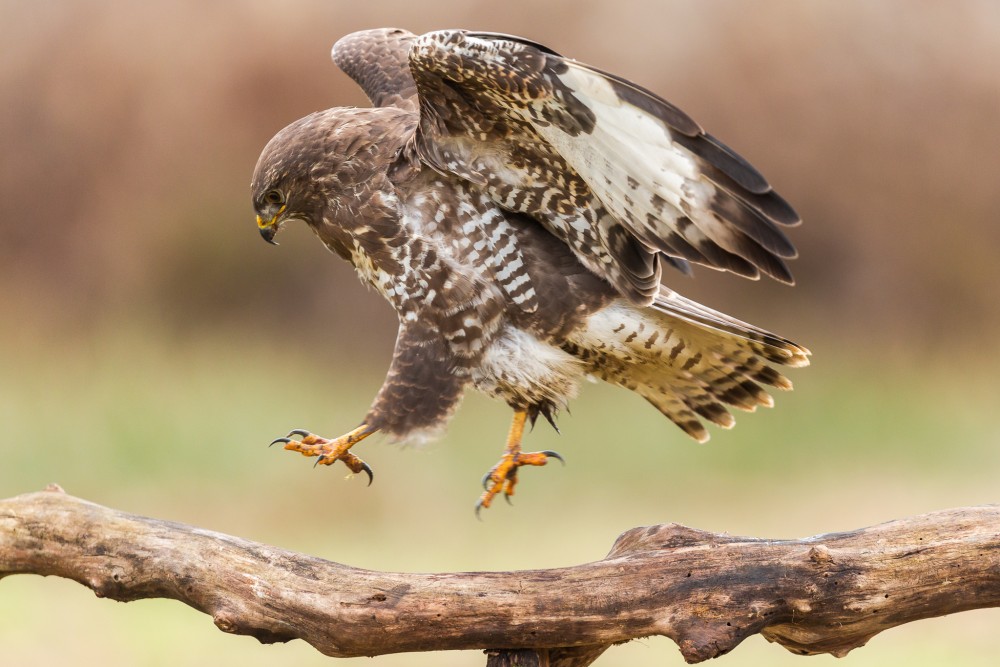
(519, 365)
(629, 158)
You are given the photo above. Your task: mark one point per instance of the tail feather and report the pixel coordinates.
(676, 410)
(734, 388)
(687, 360)
(717, 414)
(764, 343)
(755, 369)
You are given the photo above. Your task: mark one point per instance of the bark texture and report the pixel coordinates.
(708, 592)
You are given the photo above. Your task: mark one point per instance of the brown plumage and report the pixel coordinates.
(516, 209)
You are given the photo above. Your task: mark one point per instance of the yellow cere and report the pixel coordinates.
(273, 221)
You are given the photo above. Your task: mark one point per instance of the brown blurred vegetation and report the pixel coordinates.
(152, 343)
(129, 132)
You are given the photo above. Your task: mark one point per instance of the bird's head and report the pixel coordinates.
(285, 181)
(271, 206)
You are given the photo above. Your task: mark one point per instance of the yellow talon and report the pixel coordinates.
(329, 451)
(503, 476)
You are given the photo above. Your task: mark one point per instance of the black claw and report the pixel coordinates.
(367, 469)
(555, 455)
(507, 498)
(277, 440)
(479, 506)
(316, 462)
(550, 418)
(486, 480)
(299, 432)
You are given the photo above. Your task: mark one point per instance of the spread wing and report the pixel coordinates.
(378, 61)
(626, 179)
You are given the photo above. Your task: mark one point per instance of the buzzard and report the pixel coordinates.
(517, 209)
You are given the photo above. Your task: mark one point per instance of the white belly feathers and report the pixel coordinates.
(521, 369)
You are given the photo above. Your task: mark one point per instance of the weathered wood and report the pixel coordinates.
(570, 656)
(708, 592)
(517, 657)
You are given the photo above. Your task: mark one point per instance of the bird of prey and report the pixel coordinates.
(517, 208)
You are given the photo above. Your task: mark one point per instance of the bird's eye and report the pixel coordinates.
(274, 197)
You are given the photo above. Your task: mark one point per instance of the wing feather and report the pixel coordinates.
(378, 61)
(571, 146)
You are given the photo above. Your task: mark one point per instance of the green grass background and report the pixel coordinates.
(178, 430)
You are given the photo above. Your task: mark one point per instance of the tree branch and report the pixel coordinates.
(708, 592)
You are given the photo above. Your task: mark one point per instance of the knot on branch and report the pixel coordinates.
(664, 536)
(820, 555)
(225, 622)
(112, 584)
(236, 622)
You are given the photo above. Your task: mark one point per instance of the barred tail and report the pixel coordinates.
(687, 360)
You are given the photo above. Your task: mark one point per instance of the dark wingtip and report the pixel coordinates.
(778, 270)
(512, 38)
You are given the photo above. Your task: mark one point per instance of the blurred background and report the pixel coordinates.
(153, 345)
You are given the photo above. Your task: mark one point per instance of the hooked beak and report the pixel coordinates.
(268, 229)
